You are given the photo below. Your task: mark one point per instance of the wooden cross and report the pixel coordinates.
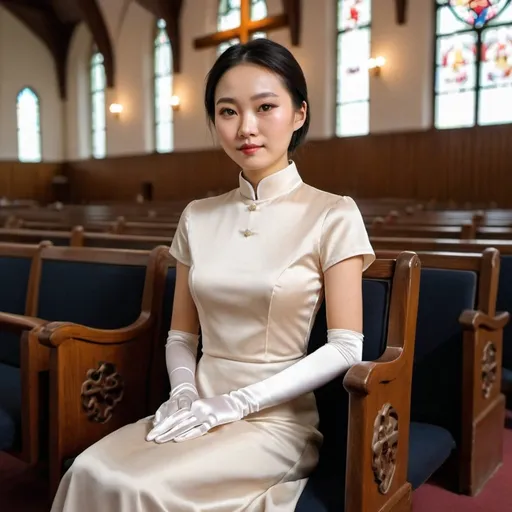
(401, 11)
(289, 18)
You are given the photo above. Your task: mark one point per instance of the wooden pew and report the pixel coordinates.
(504, 301)
(456, 399)
(356, 421)
(97, 289)
(377, 397)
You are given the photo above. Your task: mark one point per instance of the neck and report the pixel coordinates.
(254, 176)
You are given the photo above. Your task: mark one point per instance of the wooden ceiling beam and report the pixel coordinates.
(46, 26)
(91, 15)
(170, 11)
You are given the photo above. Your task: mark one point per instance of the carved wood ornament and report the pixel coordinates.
(489, 368)
(385, 447)
(101, 392)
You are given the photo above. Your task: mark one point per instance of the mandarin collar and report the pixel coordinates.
(272, 186)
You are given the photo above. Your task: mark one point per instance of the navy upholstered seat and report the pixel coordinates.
(14, 276)
(436, 402)
(10, 406)
(429, 447)
(99, 295)
(325, 490)
(504, 303)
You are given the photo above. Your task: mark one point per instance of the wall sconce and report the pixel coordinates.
(116, 109)
(175, 102)
(375, 65)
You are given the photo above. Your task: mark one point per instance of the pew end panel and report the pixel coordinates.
(98, 383)
(379, 398)
(483, 407)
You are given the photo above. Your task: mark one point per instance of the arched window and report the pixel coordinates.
(473, 80)
(163, 90)
(229, 16)
(98, 117)
(29, 126)
(353, 86)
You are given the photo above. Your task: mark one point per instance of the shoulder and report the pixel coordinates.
(207, 204)
(332, 203)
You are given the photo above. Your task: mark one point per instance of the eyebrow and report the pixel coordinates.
(255, 97)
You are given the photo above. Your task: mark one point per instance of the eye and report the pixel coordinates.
(267, 107)
(227, 112)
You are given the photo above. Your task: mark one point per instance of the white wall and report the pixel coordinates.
(401, 99)
(25, 61)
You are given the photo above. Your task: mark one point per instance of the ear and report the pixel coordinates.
(300, 116)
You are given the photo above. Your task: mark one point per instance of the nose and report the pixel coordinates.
(248, 126)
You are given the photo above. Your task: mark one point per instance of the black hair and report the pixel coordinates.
(272, 56)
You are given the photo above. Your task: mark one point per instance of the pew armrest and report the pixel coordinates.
(475, 319)
(19, 322)
(365, 377)
(55, 333)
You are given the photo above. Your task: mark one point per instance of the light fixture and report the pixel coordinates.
(116, 109)
(375, 65)
(175, 102)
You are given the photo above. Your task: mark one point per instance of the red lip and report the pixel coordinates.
(249, 149)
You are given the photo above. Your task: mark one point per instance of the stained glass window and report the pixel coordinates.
(29, 126)
(229, 16)
(98, 118)
(163, 90)
(353, 86)
(473, 80)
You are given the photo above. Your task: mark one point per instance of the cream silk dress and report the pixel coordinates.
(257, 262)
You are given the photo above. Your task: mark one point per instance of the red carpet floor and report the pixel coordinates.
(22, 491)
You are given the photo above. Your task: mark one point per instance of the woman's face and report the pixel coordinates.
(255, 118)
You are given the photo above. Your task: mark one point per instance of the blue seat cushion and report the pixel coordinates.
(504, 303)
(14, 274)
(429, 447)
(10, 407)
(437, 373)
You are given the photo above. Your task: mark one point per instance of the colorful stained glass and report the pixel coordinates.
(477, 13)
(353, 86)
(163, 90)
(98, 121)
(29, 126)
(496, 57)
(353, 14)
(456, 62)
(474, 63)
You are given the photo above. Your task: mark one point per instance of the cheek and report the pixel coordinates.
(225, 130)
(279, 121)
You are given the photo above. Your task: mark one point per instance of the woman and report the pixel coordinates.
(239, 432)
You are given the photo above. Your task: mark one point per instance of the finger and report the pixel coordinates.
(167, 424)
(193, 433)
(178, 430)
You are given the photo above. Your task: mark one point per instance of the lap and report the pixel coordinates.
(237, 451)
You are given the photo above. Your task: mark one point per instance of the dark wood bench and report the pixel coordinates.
(100, 291)
(456, 400)
(362, 413)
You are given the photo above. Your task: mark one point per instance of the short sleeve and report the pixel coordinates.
(344, 235)
(180, 248)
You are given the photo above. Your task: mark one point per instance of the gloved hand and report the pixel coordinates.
(181, 356)
(344, 348)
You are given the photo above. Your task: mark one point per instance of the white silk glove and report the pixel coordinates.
(344, 348)
(181, 357)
